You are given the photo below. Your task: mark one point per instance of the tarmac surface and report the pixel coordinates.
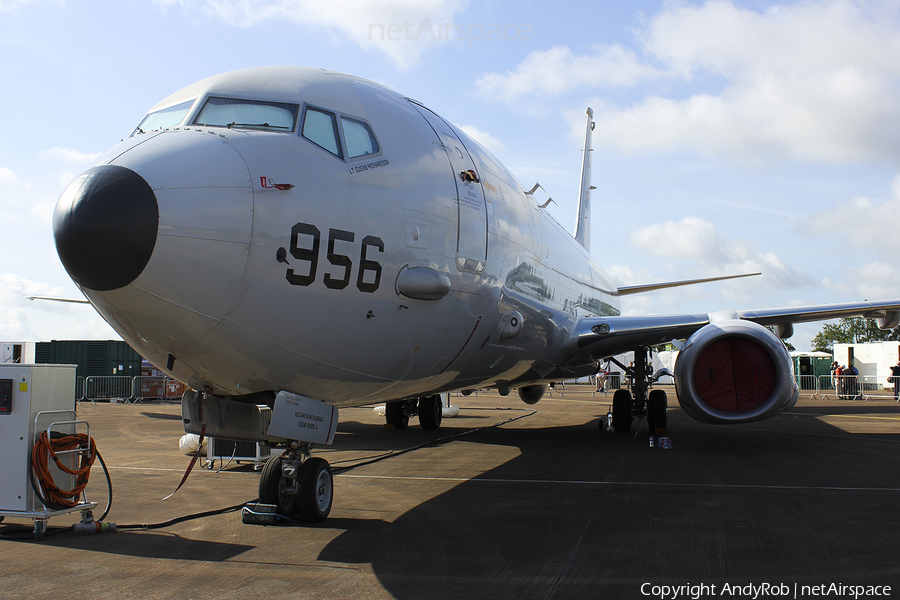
(545, 506)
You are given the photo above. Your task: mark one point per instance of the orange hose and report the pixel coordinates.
(45, 449)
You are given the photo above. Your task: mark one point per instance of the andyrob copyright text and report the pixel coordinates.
(753, 591)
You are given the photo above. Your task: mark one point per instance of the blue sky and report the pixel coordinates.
(731, 136)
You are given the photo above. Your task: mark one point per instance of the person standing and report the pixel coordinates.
(851, 373)
(895, 378)
(839, 383)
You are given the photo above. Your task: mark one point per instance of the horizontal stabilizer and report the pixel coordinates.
(54, 299)
(640, 289)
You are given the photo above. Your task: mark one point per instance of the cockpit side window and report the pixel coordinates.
(320, 127)
(164, 118)
(359, 138)
(247, 114)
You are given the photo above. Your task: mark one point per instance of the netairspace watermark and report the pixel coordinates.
(753, 591)
(438, 31)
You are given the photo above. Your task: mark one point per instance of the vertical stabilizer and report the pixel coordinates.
(583, 225)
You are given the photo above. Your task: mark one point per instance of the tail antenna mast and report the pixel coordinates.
(583, 225)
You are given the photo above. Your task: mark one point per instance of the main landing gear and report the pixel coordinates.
(638, 403)
(430, 410)
(298, 484)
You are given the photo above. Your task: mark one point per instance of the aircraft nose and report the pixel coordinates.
(105, 227)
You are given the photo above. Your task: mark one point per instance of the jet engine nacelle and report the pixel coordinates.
(734, 371)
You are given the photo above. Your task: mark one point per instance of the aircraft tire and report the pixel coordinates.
(622, 411)
(395, 414)
(431, 412)
(315, 490)
(272, 488)
(657, 415)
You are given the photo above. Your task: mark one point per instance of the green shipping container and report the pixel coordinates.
(95, 358)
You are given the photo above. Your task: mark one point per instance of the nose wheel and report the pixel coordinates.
(299, 485)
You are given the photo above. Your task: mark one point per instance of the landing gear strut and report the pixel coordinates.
(638, 403)
(298, 484)
(429, 409)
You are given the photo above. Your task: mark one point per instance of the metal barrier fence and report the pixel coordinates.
(845, 387)
(107, 388)
(593, 385)
(156, 388)
(79, 389)
(127, 389)
(855, 387)
(138, 389)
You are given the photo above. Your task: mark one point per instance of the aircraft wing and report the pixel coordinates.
(605, 336)
(885, 313)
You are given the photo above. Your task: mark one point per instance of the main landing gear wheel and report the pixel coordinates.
(657, 415)
(315, 490)
(621, 411)
(395, 414)
(431, 412)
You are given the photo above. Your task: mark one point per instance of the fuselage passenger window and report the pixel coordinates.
(359, 138)
(320, 127)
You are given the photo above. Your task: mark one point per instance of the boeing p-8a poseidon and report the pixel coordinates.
(292, 235)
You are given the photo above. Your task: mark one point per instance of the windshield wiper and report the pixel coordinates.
(233, 124)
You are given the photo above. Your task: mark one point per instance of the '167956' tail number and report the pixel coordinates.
(367, 279)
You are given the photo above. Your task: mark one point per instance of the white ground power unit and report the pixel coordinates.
(33, 399)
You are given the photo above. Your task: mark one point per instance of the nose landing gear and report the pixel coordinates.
(298, 484)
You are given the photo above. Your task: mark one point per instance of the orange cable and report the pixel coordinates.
(46, 449)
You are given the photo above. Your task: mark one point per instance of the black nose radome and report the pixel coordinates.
(105, 226)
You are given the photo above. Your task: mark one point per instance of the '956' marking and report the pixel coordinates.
(305, 239)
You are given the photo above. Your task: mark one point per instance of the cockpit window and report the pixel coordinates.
(164, 118)
(320, 127)
(247, 114)
(359, 138)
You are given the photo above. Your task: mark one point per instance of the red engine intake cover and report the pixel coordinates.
(734, 374)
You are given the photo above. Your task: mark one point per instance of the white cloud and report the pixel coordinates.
(402, 29)
(863, 223)
(32, 320)
(12, 188)
(11, 5)
(694, 239)
(872, 280)
(559, 70)
(483, 138)
(7, 176)
(814, 81)
(24, 201)
(72, 162)
(691, 238)
(69, 156)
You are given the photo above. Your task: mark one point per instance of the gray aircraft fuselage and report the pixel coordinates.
(346, 244)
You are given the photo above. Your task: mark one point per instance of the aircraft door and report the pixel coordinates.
(471, 247)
